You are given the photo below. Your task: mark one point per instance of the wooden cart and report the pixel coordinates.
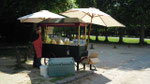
(56, 50)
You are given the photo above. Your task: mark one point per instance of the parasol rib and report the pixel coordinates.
(102, 20)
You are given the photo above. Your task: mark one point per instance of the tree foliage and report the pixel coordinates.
(132, 13)
(12, 29)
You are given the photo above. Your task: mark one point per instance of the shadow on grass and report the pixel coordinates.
(26, 72)
(9, 65)
(92, 79)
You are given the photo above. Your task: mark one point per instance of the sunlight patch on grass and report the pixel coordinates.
(111, 39)
(130, 40)
(147, 41)
(116, 39)
(93, 37)
(101, 38)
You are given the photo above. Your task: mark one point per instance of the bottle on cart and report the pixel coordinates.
(68, 52)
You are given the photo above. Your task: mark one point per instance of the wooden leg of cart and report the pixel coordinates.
(90, 62)
(77, 66)
(84, 66)
(90, 66)
(45, 61)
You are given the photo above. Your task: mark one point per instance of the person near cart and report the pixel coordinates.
(37, 43)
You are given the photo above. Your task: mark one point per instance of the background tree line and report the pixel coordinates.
(132, 13)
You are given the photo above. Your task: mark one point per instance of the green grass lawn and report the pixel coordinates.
(147, 41)
(116, 39)
(111, 39)
(129, 40)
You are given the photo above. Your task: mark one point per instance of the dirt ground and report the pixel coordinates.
(119, 64)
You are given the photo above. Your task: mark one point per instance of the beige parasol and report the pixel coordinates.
(39, 16)
(92, 16)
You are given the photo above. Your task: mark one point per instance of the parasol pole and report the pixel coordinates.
(85, 31)
(89, 31)
(85, 34)
(45, 33)
(79, 35)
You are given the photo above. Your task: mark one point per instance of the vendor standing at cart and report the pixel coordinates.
(37, 43)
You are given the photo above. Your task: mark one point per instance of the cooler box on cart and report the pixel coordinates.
(61, 66)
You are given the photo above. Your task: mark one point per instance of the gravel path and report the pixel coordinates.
(121, 65)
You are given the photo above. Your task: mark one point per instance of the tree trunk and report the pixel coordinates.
(142, 36)
(121, 35)
(142, 29)
(18, 58)
(96, 37)
(96, 33)
(106, 35)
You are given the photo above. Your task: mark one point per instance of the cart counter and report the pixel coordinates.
(54, 50)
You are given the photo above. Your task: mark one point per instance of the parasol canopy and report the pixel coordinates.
(93, 16)
(39, 16)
